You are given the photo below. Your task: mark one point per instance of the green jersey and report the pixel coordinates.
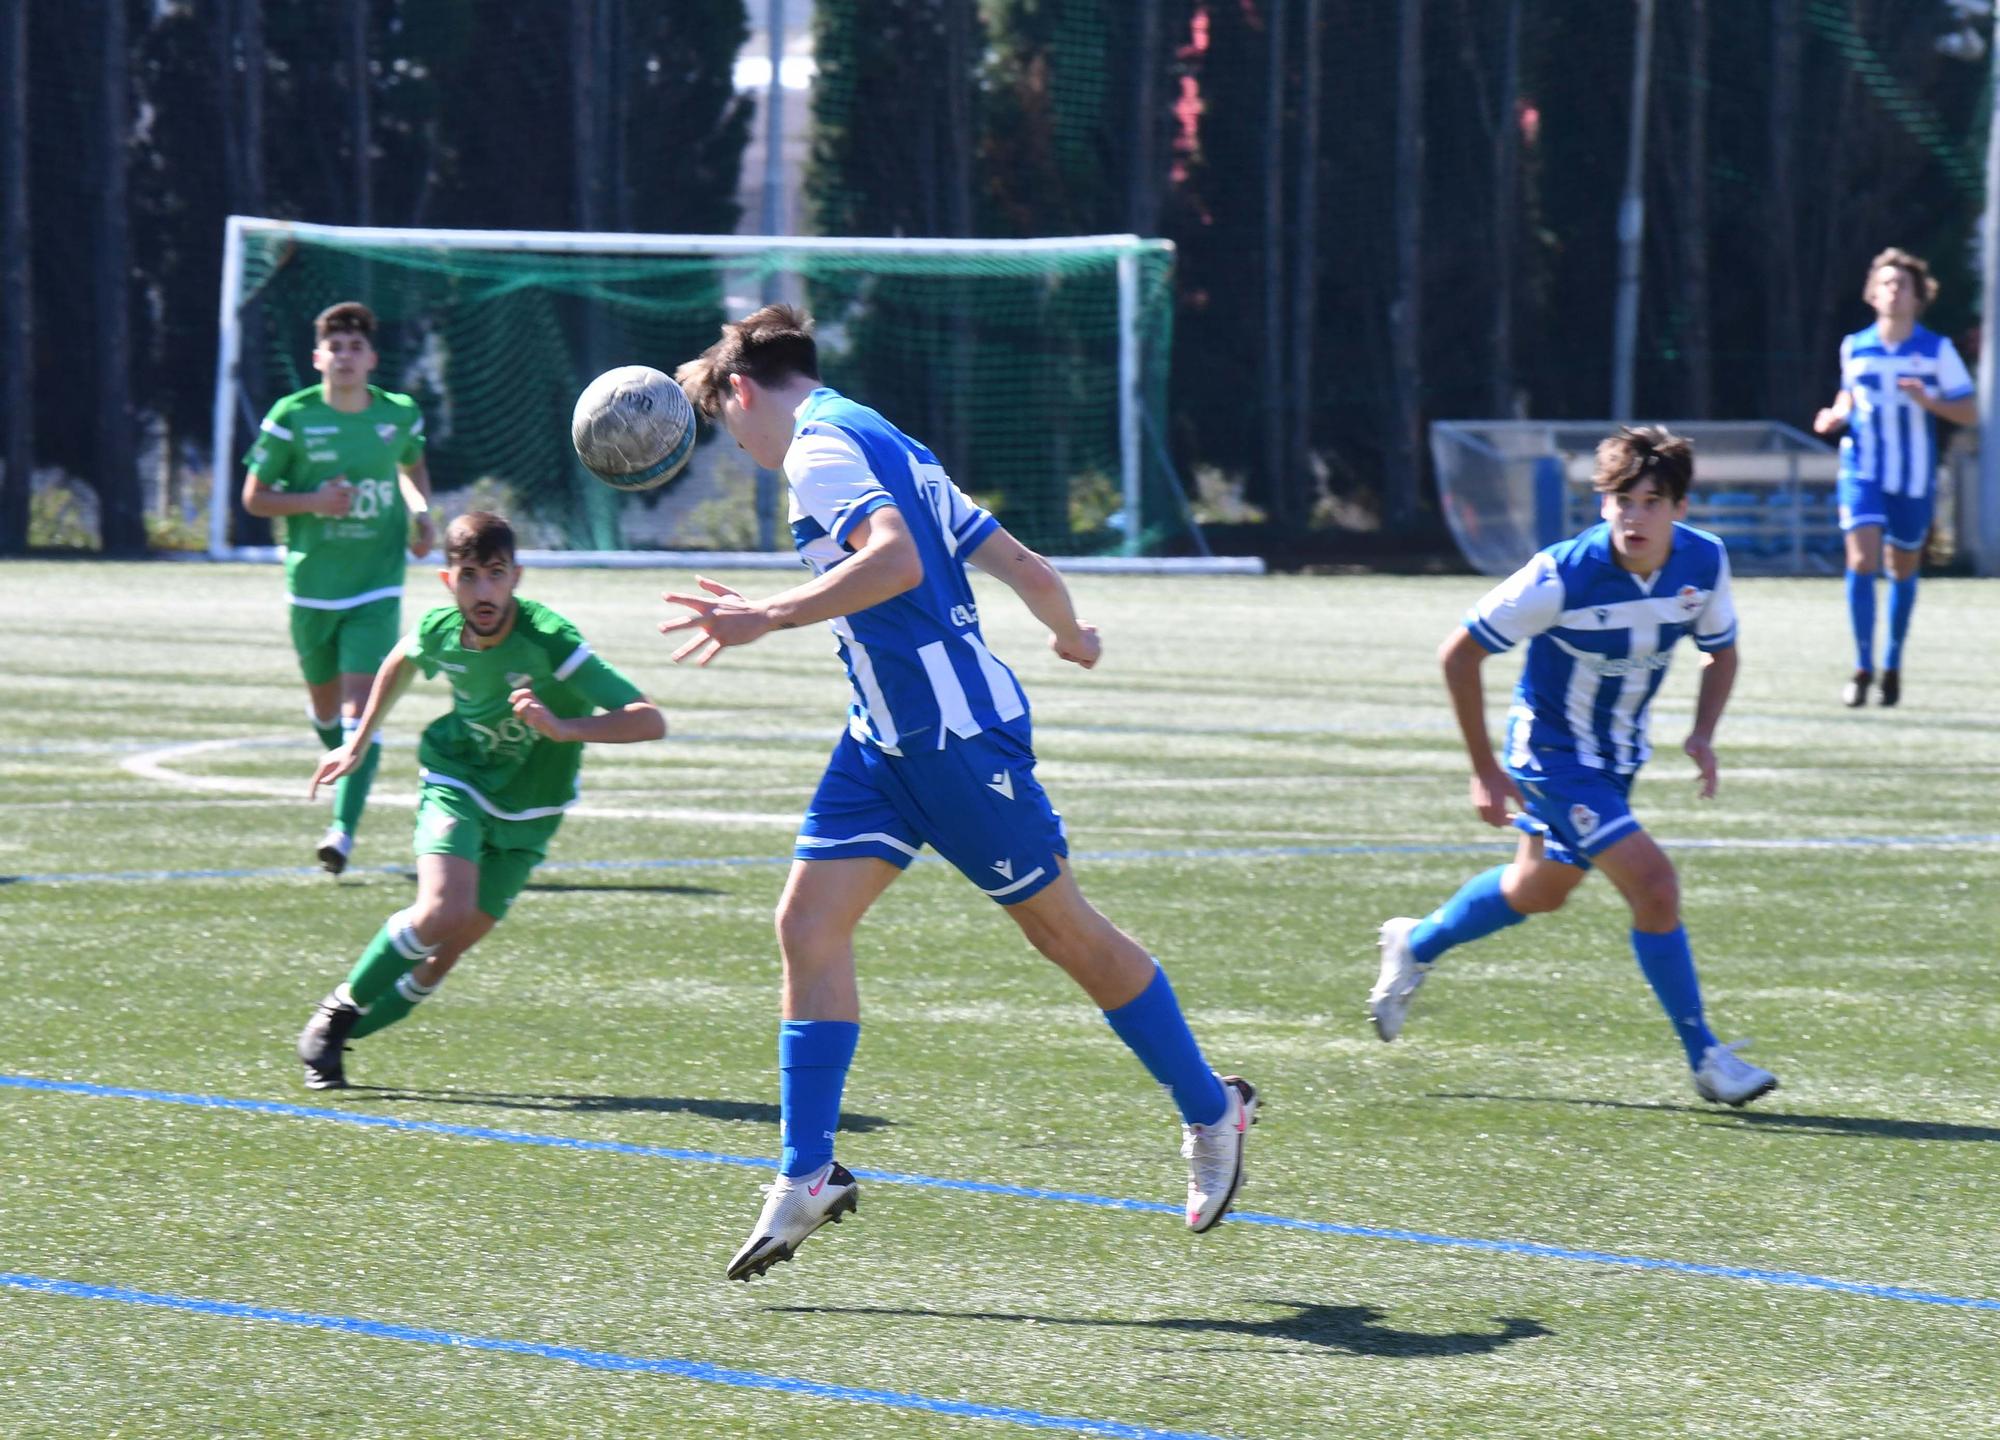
(337, 563)
(481, 747)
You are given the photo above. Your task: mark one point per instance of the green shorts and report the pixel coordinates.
(450, 822)
(346, 642)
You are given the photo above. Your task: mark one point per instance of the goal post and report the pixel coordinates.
(1037, 369)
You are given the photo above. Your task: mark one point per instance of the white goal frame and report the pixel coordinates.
(1131, 434)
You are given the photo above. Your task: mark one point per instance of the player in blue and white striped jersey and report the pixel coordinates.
(1897, 379)
(938, 750)
(1601, 614)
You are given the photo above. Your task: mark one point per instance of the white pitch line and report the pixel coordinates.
(157, 766)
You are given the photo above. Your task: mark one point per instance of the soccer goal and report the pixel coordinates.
(1037, 369)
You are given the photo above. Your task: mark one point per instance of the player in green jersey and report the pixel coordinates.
(342, 463)
(498, 770)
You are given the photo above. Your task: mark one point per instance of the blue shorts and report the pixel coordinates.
(1578, 812)
(976, 802)
(1905, 519)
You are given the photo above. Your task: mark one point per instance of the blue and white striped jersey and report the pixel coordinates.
(1600, 640)
(917, 662)
(1890, 438)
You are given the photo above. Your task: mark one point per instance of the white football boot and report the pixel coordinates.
(796, 1206)
(1401, 974)
(333, 849)
(1215, 1156)
(1724, 1079)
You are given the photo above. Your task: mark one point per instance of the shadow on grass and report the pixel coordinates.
(1773, 1120)
(757, 1111)
(1356, 1329)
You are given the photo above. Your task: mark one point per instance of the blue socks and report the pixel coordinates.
(1477, 909)
(1154, 1029)
(1668, 965)
(1902, 605)
(813, 1056)
(1861, 614)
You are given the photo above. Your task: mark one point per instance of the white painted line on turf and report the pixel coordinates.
(158, 766)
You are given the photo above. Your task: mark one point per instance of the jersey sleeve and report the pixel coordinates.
(271, 454)
(583, 669)
(966, 519)
(423, 644)
(413, 437)
(831, 480)
(1953, 379)
(1523, 605)
(1846, 381)
(1715, 626)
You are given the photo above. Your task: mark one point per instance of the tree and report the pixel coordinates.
(17, 403)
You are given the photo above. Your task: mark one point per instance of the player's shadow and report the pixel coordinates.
(1355, 1329)
(1773, 1120)
(568, 1103)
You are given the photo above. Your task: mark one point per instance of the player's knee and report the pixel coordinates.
(1656, 900)
(437, 918)
(805, 933)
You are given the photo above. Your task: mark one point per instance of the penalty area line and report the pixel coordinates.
(1525, 1249)
(696, 1370)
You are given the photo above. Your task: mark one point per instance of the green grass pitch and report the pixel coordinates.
(1259, 773)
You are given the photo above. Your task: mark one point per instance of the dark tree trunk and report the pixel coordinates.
(1694, 223)
(1305, 267)
(16, 281)
(1405, 447)
(359, 124)
(1142, 206)
(121, 510)
(1506, 208)
(1782, 358)
(1277, 473)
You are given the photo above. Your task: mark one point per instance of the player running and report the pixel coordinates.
(342, 462)
(1895, 377)
(498, 771)
(1602, 614)
(937, 751)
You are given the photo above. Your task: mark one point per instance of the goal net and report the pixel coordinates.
(1036, 369)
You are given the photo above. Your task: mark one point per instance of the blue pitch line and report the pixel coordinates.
(1794, 1279)
(1220, 852)
(596, 1359)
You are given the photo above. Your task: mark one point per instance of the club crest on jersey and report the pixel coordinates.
(1582, 819)
(1690, 599)
(386, 431)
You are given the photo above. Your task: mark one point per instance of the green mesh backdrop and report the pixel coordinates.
(1006, 364)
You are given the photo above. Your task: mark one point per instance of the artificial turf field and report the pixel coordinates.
(1515, 1221)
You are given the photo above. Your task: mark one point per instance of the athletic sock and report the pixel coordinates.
(331, 735)
(392, 954)
(1902, 605)
(403, 997)
(1668, 965)
(813, 1056)
(1861, 615)
(1477, 909)
(1154, 1029)
(350, 792)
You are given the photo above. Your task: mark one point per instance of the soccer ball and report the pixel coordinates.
(633, 428)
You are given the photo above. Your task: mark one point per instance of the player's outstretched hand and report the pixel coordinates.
(1702, 753)
(1827, 421)
(1082, 648)
(1490, 794)
(332, 765)
(535, 715)
(722, 617)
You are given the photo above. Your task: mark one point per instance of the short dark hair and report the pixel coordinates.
(1915, 266)
(478, 536)
(349, 317)
(767, 345)
(1642, 452)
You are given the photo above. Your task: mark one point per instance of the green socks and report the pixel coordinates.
(400, 1001)
(350, 792)
(391, 955)
(331, 735)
